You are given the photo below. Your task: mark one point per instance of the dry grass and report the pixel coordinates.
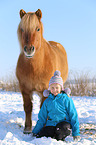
(10, 84)
(79, 83)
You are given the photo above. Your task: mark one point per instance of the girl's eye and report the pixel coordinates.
(38, 29)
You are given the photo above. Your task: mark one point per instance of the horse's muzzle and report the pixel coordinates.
(29, 51)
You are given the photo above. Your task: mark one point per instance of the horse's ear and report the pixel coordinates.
(22, 13)
(39, 14)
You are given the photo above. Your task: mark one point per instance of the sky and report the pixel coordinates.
(69, 22)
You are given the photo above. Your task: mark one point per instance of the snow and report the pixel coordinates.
(12, 119)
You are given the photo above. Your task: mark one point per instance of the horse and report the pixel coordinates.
(37, 62)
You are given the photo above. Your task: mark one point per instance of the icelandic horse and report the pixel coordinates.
(37, 62)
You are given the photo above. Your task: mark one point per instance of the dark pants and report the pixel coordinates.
(59, 132)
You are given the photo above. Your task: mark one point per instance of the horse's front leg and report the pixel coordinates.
(42, 99)
(28, 112)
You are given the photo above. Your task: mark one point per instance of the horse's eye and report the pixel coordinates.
(22, 30)
(38, 29)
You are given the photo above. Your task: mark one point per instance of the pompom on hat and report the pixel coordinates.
(46, 93)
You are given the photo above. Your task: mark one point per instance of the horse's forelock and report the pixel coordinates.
(27, 25)
(30, 22)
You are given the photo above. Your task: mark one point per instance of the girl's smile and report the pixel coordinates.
(55, 89)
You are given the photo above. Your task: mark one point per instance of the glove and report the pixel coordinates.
(34, 134)
(76, 138)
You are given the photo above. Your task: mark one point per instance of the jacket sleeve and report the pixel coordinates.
(73, 117)
(42, 118)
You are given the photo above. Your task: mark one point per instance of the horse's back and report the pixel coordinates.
(60, 58)
(57, 46)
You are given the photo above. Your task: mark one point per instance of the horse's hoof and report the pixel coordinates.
(27, 130)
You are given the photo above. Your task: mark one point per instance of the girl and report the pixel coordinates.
(58, 114)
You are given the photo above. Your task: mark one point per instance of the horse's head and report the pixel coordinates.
(30, 32)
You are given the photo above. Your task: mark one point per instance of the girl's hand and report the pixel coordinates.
(33, 134)
(76, 138)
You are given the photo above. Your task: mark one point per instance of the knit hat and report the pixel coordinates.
(56, 79)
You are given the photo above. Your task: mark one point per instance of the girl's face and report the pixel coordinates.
(55, 89)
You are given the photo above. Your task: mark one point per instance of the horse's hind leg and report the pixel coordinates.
(28, 112)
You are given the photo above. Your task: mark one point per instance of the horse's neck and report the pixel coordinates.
(39, 55)
(42, 50)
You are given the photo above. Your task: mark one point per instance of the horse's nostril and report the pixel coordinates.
(25, 48)
(32, 48)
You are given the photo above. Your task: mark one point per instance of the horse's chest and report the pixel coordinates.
(32, 76)
(33, 82)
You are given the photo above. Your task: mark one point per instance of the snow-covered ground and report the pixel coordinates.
(12, 121)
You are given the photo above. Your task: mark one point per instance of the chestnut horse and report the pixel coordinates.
(38, 61)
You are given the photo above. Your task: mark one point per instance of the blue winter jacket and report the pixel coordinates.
(56, 109)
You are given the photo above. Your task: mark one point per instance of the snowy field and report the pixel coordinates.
(12, 121)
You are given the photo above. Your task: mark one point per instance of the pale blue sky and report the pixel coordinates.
(69, 22)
